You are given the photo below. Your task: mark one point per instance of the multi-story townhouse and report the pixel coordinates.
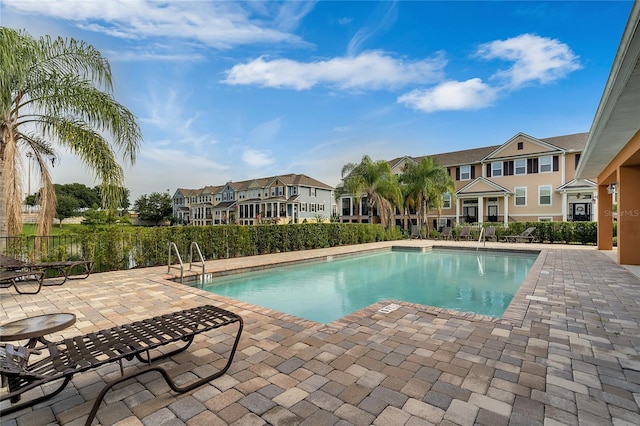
(524, 179)
(290, 198)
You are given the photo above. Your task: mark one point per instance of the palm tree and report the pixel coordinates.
(58, 92)
(380, 186)
(427, 182)
(353, 185)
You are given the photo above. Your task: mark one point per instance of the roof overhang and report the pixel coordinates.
(617, 117)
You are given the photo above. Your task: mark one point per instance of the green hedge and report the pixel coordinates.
(126, 247)
(550, 232)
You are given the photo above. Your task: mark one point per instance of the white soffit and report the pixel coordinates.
(617, 118)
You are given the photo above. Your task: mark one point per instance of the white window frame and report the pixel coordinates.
(516, 196)
(546, 161)
(446, 200)
(540, 189)
(523, 167)
(496, 169)
(467, 172)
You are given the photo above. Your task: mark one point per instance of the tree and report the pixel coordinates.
(379, 184)
(58, 92)
(426, 183)
(155, 208)
(67, 206)
(353, 185)
(87, 197)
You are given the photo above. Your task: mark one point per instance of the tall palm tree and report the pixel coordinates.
(58, 92)
(427, 183)
(353, 185)
(379, 185)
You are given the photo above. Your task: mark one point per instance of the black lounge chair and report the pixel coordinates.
(21, 280)
(526, 236)
(74, 355)
(62, 271)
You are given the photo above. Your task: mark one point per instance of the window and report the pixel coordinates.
(496, 168)
(303, 207)
(544, 195)
(577, 160)
(521, 166)
(465, 172)
(520, 146)
(544, 164)
(281, 190)
(545, 219)
(273, 191)
(446, 200)
(521, 196)
(312, 192)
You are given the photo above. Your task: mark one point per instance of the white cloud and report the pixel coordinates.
(345, 21)
(534, 58)
(451, 95)
(369, 70)
(255, 158)
(212, 23)
(383, 17)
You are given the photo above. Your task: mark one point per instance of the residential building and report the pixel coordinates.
(523, 179)
(291, 198)
(612, 153)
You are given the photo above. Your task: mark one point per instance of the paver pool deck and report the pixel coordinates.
(565, 352)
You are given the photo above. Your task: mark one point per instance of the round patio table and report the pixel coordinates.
(35, 328)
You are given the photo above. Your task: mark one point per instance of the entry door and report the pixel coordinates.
(470, 214)
(581, 212)
(492, 213)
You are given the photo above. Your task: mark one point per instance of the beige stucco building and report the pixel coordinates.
(523, 179)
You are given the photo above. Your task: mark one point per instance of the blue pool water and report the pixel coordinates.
(323, 291)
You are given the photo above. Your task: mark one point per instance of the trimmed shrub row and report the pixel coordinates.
(124, 248)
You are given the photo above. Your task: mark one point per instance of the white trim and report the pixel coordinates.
(550, 157)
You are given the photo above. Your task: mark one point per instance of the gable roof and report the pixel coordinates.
(494, 188)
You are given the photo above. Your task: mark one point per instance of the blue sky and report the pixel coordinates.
(232, 91)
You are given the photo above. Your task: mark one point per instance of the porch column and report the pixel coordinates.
(506, 210)
(605, 213)
(458, 201)
(480, 209)
(564, 206)
(628, 216)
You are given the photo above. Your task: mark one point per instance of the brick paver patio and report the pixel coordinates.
(565, 352)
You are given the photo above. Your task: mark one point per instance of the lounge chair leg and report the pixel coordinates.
(149, 360)
(167, 378)
(15, 396)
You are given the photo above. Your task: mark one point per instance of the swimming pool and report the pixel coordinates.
(323, 291)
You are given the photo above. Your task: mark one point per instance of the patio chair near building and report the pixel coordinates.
(445, 234)
(490, 234)
(465, 234)
(55, 273)
(526, 237)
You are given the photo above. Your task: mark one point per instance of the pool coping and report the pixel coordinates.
(514, 315)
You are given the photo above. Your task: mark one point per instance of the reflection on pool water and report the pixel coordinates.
(323, 291)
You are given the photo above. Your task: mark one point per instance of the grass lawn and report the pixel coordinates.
(29, 229)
